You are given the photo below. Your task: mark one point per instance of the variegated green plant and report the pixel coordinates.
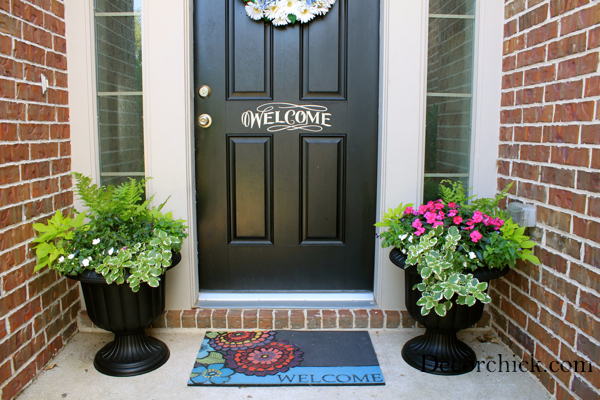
(123, 239)
(442, 278)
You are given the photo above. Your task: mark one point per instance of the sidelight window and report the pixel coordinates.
(449, 93)
(119, 89)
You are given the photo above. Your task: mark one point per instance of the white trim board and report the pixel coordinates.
(286, 300)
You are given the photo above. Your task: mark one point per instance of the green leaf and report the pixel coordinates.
(292, 18)
(471, 301)
(424, 311)
(440, 310)
(448, 293)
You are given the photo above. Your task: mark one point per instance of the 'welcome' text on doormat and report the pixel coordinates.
(296, 358)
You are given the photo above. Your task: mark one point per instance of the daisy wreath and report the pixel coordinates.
(283, 12)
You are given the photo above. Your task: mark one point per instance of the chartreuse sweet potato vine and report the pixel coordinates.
(118, 236)
(448, 238)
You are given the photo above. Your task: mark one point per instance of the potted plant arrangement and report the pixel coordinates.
(119, 250)
(450, 249)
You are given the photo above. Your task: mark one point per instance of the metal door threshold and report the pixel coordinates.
(300, 300)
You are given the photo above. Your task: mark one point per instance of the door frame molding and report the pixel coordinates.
(170, 130)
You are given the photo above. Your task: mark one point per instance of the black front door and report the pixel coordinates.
(287, 171)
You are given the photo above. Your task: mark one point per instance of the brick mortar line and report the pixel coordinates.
(546, 22)
(549, 185)
(35, 181)
(591, 99)
(549, 164)
(576, 328)
(33, 358)
(540, 343)
(37, 160)
(515, 341)
(49, 12)
(23, 223)
(34, 64)
(566, 13)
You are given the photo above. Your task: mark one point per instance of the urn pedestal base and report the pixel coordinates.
(130, 355)
(439, 353)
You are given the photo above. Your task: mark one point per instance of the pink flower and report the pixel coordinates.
(420, 231)
(417, 224)
(452, 204)
(468, 227)
(422, 209)
(457, 220)
(475, 236)
(440, 216)
(430, 217)
(452, 213)
(438, 205)
(477, 216)
(409, 210)
(437, 223)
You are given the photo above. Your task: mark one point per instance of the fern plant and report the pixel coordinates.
(123, 239)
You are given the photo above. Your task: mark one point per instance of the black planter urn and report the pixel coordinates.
(127, 314)
(439, 351)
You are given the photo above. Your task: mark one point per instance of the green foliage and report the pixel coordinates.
(123, 239)
(449, 238)
(52, 238)
(453, 192)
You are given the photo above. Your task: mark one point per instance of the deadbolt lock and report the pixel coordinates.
(204, 120)
(204, 91)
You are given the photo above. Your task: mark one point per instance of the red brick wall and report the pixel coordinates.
(37, 311)
(549, 148)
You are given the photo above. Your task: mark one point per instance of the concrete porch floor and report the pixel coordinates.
(74, 376)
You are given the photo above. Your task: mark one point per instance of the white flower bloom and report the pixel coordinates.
(96, 241)
(281, 19)
(304, 15)
(289, 6)
(271, 11)
(85, 262)
(90, 258)
(403, 251)
(111, 251)
(465, 264)
(472, 255)
(254, 11)
(70, 257)
(410, 238)
(402, 237)
(61, 259)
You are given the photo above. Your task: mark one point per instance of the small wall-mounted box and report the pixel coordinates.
(523, 214)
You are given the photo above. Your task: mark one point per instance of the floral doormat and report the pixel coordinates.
(290, 358)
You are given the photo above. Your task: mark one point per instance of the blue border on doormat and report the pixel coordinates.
(286, 358)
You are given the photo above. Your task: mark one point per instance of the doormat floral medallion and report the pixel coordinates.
(289, 358)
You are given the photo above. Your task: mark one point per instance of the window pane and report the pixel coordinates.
(120, 127)
(119, 53)
(449, 93)
(119, 85)
(456, 7)
(450, 55)
(118, 5)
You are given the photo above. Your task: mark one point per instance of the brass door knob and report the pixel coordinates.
(204, 120)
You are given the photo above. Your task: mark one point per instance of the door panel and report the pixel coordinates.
(286, 173)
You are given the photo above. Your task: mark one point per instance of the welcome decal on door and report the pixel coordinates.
(279, 117)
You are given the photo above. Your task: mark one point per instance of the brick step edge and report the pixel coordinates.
(283, 319)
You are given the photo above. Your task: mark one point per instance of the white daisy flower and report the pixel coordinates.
(289, 6)
(70, 257)
(61, 259)
(96, 241)
(472, 255)
(85, 262)
(304, 15)
(281, 19)
(111, 251)
(271, 11)
(254, 11)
